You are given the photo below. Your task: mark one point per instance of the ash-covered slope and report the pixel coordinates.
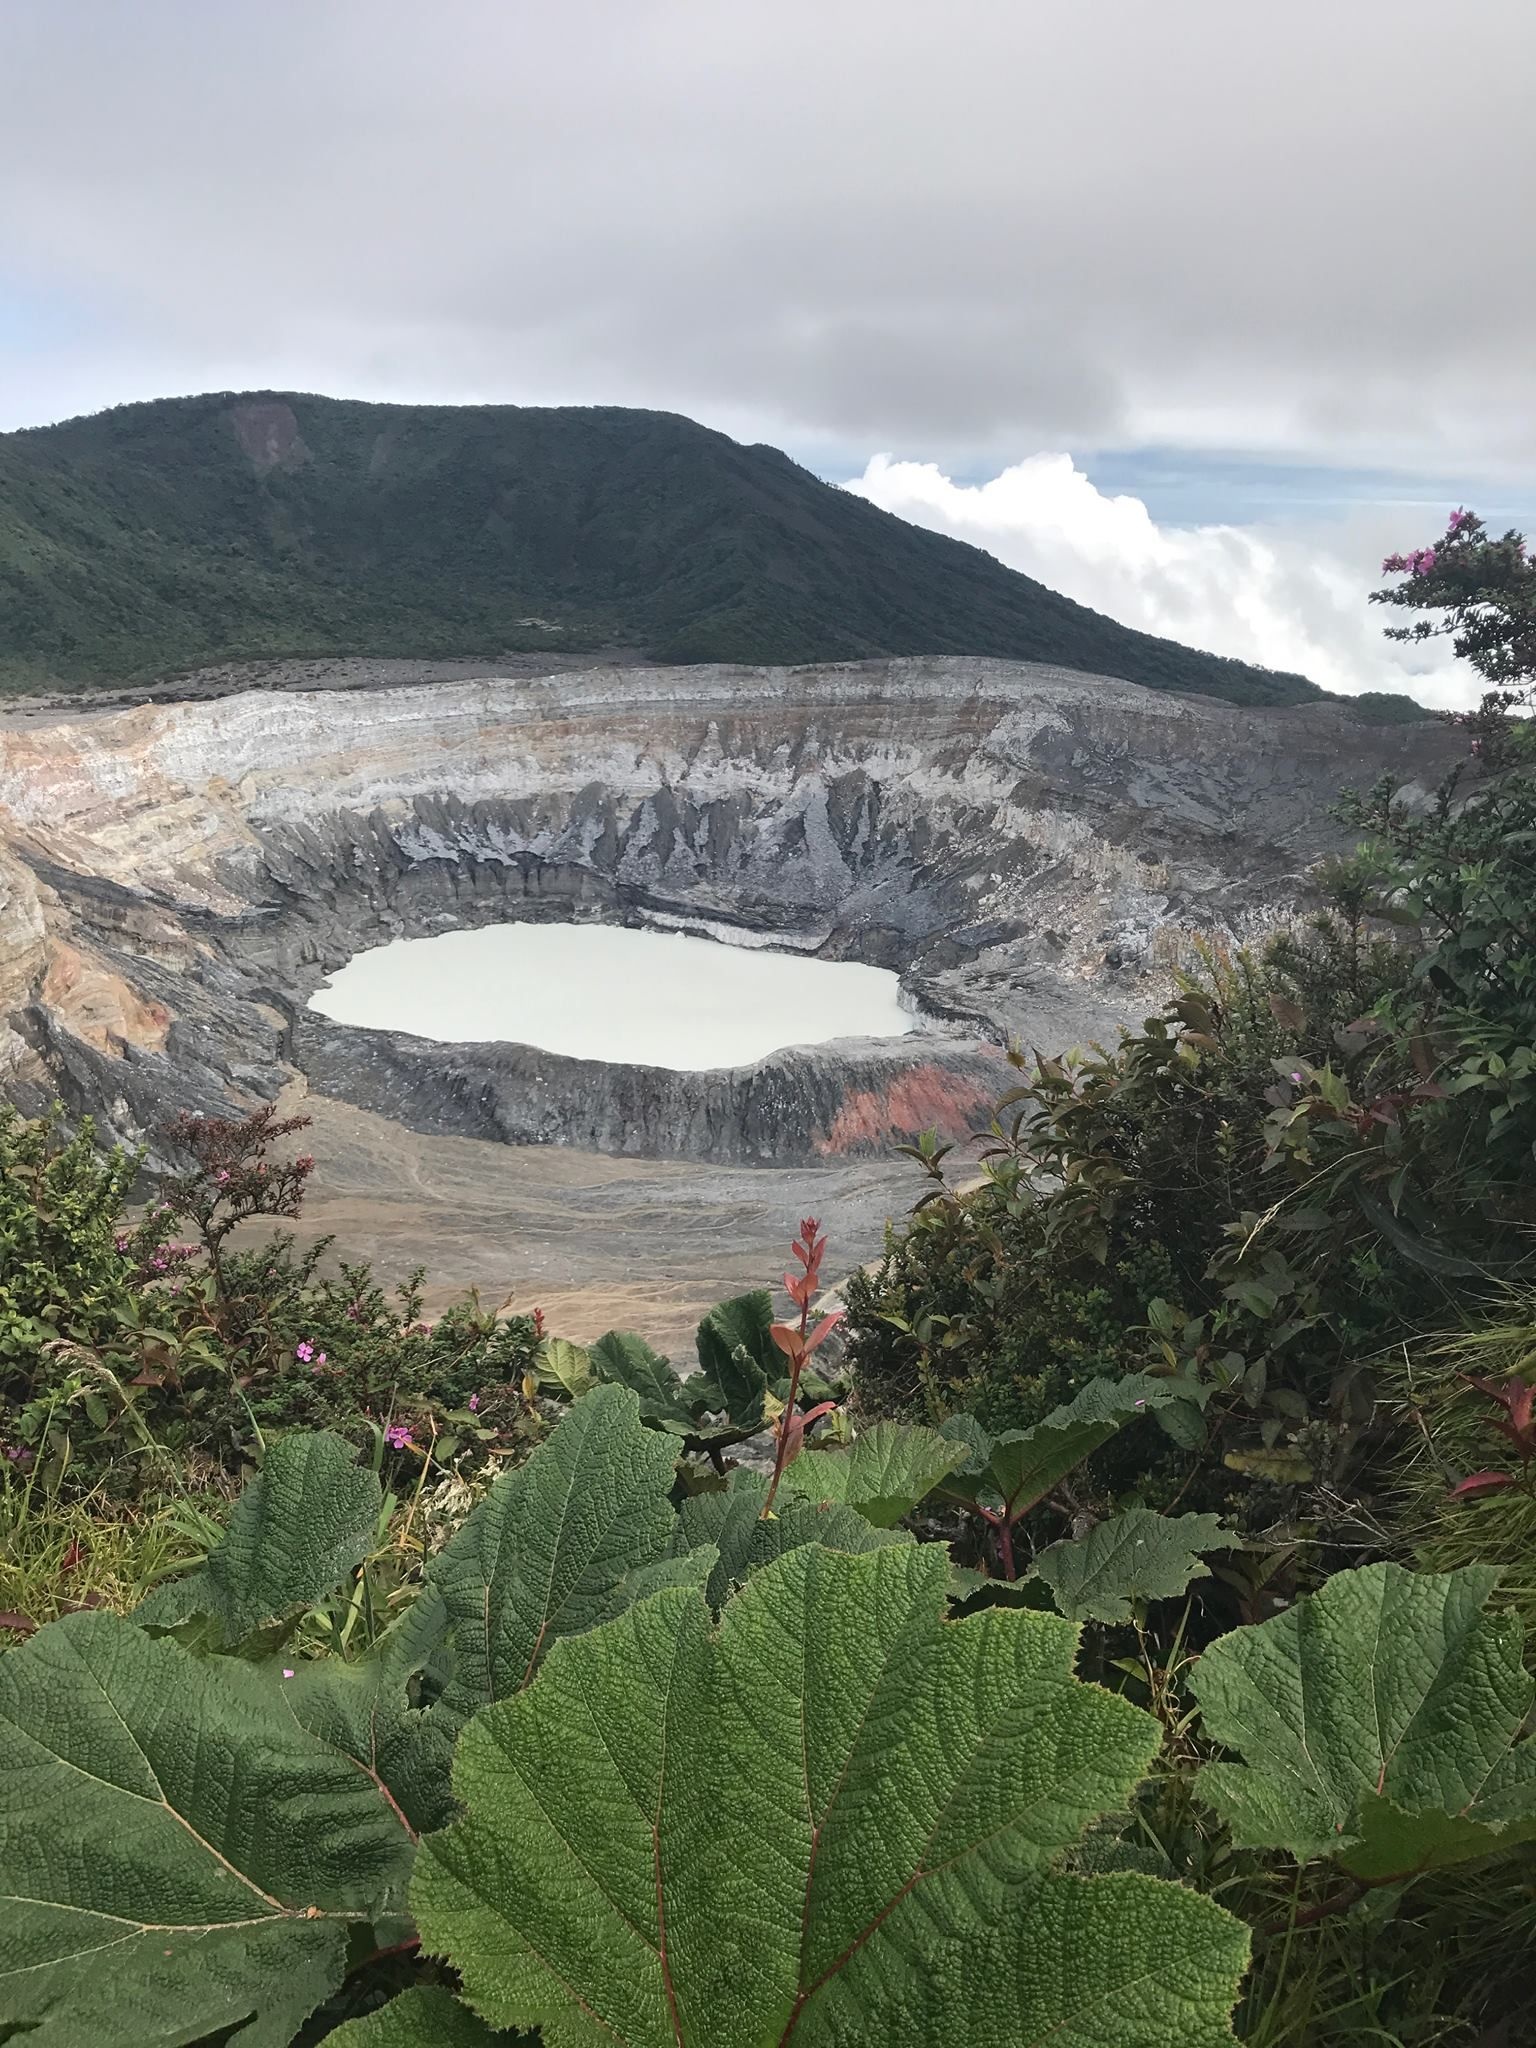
(1029, 853)
(168, 536)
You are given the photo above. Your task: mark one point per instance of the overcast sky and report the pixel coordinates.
(1268, 271)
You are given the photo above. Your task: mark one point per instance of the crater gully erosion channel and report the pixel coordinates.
(1027, 850)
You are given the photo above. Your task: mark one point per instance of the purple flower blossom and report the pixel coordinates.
(19, 1456)
(1422, 562)
(398, 1437)
(287, 1671)
(1457, 520)
(120, 1242)
(1296, 1075)
(474, 1404)
(222, 1176)
(304, 1352)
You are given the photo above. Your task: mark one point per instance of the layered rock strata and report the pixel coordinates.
(1029, 848)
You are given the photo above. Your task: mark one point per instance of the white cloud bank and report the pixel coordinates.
(1287, 597)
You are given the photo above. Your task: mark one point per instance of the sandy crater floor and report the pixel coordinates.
(598, 1243)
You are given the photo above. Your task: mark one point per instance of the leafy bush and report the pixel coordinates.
(1307, 1156)
(124, 1351)
(60, 1204)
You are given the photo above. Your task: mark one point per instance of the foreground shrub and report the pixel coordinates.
(126, 1353)
(1306, 1158)
(649, 1769)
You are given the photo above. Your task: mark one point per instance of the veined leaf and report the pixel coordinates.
(625, 1360)
(884, 1473)
(1377, 1722)
(301, 1527)
(805, 1826)
(176, 1853)
(565, 1365)
(1113, 1961)
(732, 1530)
(1130, 1557)
(423, 2018)
(1020, 1467)
(363, 1709)
(546, 1553)
(740, 1324)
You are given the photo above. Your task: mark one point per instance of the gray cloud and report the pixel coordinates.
(964, 230)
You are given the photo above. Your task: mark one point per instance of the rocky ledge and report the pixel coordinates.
(1031, 849)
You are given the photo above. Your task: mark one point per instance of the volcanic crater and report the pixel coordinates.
(1029, 849)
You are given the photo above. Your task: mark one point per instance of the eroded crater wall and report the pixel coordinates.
(1030, 849)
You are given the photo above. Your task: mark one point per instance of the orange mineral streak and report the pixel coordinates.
(99, 1006)
(926, 1099)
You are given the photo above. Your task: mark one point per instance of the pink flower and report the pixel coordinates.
(1422, 562)
(287, 1671)
(398, 1437)
(474, 1404)
(1296, 1075)
(1394, 565)
(120, 1242)
(304, 1352)
(1457, 520)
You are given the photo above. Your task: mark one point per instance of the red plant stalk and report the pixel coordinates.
(797, 1342)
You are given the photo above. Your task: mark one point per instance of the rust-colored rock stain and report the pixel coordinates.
(927, 1098)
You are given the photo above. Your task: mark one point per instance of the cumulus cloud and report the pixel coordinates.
(1288, 597)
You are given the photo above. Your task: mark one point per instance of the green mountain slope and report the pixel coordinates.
(165, 536)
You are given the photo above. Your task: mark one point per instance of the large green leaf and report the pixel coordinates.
(735, 1354)
(564, 1366)
(546, 1553)
(884, 1473)
(1014, 1471)
(177, 1854)
(422, 2018)
(622, 1359)
(1377, 1723)
(301, 1527)
(799, 1828)
(1122, 1961)
(1130, 1558)
(364, 1710)
(739, 1539)
(739, 1326)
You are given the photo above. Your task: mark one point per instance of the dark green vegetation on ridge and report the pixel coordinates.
(166, 536)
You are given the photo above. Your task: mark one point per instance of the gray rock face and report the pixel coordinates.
(1030, 849)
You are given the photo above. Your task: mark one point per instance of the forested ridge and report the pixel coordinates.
(161, 537)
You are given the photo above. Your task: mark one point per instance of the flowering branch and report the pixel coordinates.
(797, 1341)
